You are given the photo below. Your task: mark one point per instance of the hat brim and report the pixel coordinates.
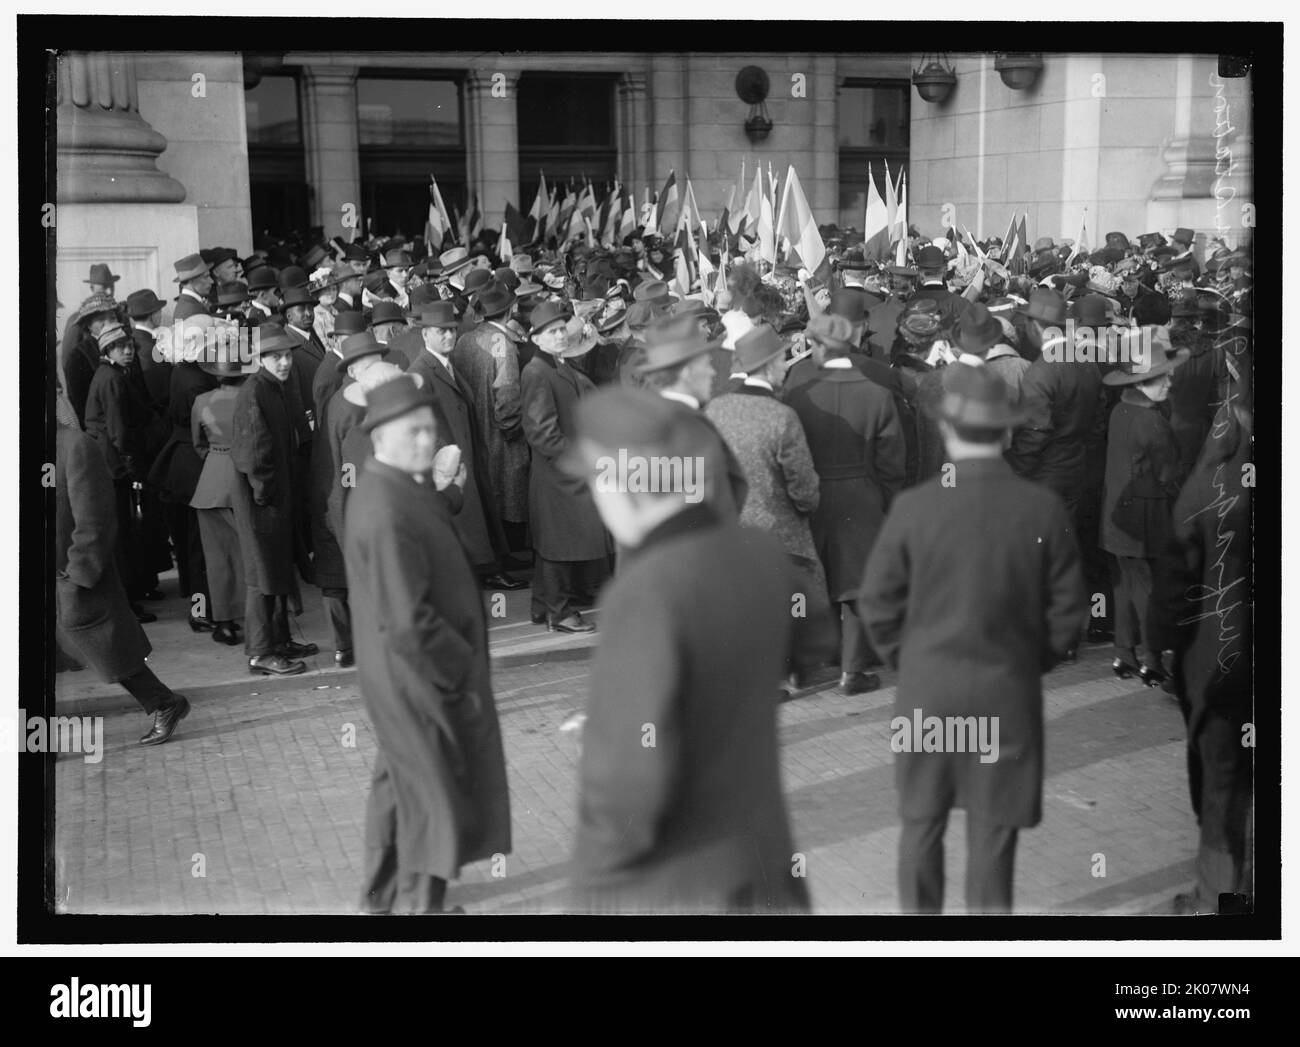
(189, 275)
(111, 279)
(423, 398)
(686, 352)
(347, 361)
(1171, 361)
(215, 369)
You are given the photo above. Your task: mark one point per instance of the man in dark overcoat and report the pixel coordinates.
(572, 546)
(971, 623)
(439, 797)
(264, 451)
(680, 806)
(477, 522)
(95, 622)
(858, 450)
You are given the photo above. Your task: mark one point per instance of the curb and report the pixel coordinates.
(309, 680)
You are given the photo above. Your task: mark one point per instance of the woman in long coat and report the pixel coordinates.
(572, 545)
(439, 797)
(1143, 477)
(212, 428)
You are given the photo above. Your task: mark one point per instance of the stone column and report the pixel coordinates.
(633, 136)
(492, 142)
(329, 127)
(114, 205)
(106, 151)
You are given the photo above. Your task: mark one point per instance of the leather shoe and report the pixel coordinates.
(574, 623)
(224, 633)
(858, 683)
(1123, 669)
(344, 659)
(275, 665)
(202, 624)
(292, 649)
(142, 616)
(1151, 677)
(503, 581)
(165, 721)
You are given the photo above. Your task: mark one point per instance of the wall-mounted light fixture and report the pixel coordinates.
(935, 79)
(752, 86)
(1018, 70)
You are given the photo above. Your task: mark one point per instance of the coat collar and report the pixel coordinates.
(755, 390)
(692, 519)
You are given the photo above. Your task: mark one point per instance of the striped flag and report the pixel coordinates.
(891, 202)
(739, 211)
(900, 222)
(627, 222)
(690, 215)
(553, 213)
(800, 227)
(1081, 244)
(685, 266)
(648, 213)
(668, 206)
(875, 227)
(439, 223)
(541, 203)
(609, 214)
(760, 210)
(1022, 236)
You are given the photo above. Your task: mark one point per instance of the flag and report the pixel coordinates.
(876, 232)
(1081, 244)
(690, 215)
(591, 239)
(891, 203)
(900, 222)
(515, 224)
(553, 213)
(609, 209)
(505, 249)
(473, 220)
(976, 285)
(648, 213)
(705, 265)
(439, 223)
(798, 224)
(587, 202)
(668, 206)
(685, 274)
(760, 211)
(739, 211)
(1022, 247)
(627, 222)
(565, 222)
(541, 204)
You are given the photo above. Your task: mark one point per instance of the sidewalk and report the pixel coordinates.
(195, 665)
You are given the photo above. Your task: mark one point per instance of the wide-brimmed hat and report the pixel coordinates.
(394, 398)
(356, 346)
(1093, 310)
(233, 293)
(387, 313)
(454, 260)
(900, 270)
(507, 277)
(376, 375)
(221, 365)
(672, 343)
(580, 338)
(976, 397)
(613, 316)
(1044, 243)
(476, 280)
(101, 274)
(140, 304)
(521, 263)
(272, 338)
(833, 330)
(1184, 237)
(1135, 367)
(190, 267)
(694, 309)
(637, 421)
(99, 302)
(436, 314)
(354, 253)
(757, 348)
(548, 313)
(978, 330)
(316, 254)
(349, 321)
(651, 291)
(262, 279)
(1046, 306)
(296, 296)
(495, 298)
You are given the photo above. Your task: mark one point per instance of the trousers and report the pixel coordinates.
(266, 622)
(560, 587)
(1132, 583)
(148, 690)
(340, 617)
(990, 865)
(389, 886)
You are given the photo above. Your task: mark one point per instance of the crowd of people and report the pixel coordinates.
(954, 480)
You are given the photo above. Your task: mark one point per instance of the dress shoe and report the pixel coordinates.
(858, 683)
(275, 665)
(223, 633)
(291, 649)
(142, 616)
(1151, 677)
(574, 623)
(165, 721)
(344, 659)
(503, 581)
(201, 623)
(537, 619)
(1123, 669)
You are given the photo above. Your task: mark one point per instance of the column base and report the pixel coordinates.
(139, 242)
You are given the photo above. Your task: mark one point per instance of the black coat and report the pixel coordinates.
(1192, 396)
(476, 523)
(175, 471)
(157, 372)
(187, 306)
(972, 625)
(120, 421)
(696, 821)
(94, 619)
(1143, 477)
(420, 636)
(327, 552)
(79, 355)
(856, 440)
(1065, 408)
(563, 517)
(263, 451)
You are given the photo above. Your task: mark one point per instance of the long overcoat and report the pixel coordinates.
(565, 524)
(856, 440)
(94, 619)
(263, 452)
(326, 549)
(175, 471)
(420, 636)
(697, 821)
(1143, 477)
(1065, 408)
(971, 624)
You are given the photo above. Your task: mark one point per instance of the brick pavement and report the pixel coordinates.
(265, 792)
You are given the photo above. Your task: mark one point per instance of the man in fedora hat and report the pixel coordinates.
(678, 365)
(571, 545)
(1063, 405)
(971, 626)
(932, 266)
(487, 362)
(195, 282)
(697, 822)
(348, 446)
(348, 282)
(266, 503)
(856, 440)
(476, 523)
(438, 796)
(102, 280)
(768, 440)
(263, 295)
(145, 309)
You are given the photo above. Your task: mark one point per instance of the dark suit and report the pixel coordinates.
(327, 546)
(972, 625)
(695, 822)
(187, 306)
(438, 798)
(857, 446)
(568, 535)
(951, 305)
